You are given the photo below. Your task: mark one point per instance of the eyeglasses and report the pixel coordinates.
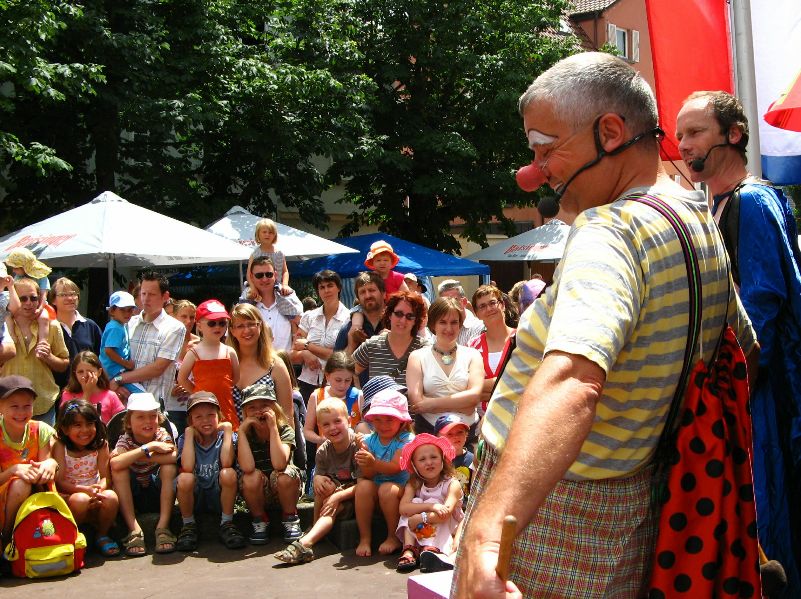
(406, 315)
(247, 325)
(67, 294)
(261, 275)
(217, 323)
(29, 298)
(490, 304)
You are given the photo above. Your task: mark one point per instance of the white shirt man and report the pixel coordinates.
(262, 279)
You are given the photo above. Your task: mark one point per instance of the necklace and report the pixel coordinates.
(447, 356)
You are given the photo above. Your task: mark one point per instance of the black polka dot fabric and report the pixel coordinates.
(707, 545)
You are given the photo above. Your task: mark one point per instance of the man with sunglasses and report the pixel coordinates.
(569, 434)
(156, 339)
(262, 280)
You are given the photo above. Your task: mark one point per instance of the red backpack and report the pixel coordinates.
(45, 540)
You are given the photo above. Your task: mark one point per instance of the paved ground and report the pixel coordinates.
(214, 572)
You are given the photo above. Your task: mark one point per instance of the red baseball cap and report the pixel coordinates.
(212, 309)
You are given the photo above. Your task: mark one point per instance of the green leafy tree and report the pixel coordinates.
(445, 134)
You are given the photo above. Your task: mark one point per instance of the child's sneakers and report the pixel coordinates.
(292, 531)
(261, 533)
(295, 553)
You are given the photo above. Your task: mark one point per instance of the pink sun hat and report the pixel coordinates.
(425, 439)
(389, 402)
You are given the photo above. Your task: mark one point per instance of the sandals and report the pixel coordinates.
(165, 540)
(433, 560)
(230, 536)
(107, 546)
(133, 542)
(408, 563)
(295, 553)
(187, 538)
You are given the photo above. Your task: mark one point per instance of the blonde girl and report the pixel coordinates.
(266, 235)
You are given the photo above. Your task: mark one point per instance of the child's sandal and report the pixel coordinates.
(187, 538)
(295, 553)
(134, 544)
(107, 546)
(165, 540)
(406, 562)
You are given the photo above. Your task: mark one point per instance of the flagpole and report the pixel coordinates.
(745, 79)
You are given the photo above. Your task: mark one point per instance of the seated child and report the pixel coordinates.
(265, 445)
(431, 506)
(359, 409)
(382, 477)
(115, 346)
(382, 259)
(23, 263)
(25, 444)
(88, 381)
(334, 479)
(207, 479)
(83, 474)
(454, 430)
(143, 470)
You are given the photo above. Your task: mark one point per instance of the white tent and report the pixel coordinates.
(111, 230)
(543, 244)
(238, 225)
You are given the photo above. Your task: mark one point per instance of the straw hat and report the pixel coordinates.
(23, 258)
(380, 247)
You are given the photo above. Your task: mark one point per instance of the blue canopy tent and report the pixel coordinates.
(422, 261)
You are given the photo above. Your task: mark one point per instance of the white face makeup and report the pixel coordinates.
(536, 138)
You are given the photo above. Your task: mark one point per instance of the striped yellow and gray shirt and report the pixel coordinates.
(620, 298)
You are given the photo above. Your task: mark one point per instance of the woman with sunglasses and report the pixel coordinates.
(495, 342)
(80, 333)
(214, 366)
(388, 352)
(445, 378)
(36, 360)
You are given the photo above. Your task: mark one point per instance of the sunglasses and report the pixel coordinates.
(261, 275)
(29, 298)
(247, 325)
(217, 323)
(406, 315)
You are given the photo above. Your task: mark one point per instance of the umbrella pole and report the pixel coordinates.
(241, 278)
(110, 275)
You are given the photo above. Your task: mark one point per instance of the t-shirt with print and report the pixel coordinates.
(340, 467)
(261, 449)
(46, 432)
(141, 468)
(207, 460)
(463, 464)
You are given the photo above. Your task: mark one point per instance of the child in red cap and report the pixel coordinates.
(213, 364)
(382, 259)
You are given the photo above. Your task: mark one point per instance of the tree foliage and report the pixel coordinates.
(190, 106)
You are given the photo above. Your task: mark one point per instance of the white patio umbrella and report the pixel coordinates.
(238, 225)
(543, 244)
(111, 230)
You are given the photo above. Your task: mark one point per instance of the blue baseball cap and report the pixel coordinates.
(121, 299)
(447, 421)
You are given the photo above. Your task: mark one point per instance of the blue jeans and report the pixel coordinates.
(48, 417)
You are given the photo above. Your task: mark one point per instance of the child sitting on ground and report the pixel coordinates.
(265, 445)
(115, 346)
(454, 430)
(334, 479)
(431, 506)
(25, 450)
(213, 364)
(382, 259)
(143, 471)
(88, 381)
(370, 389)
(382, 477)
(83, 474)
(207, 480)
(23, 264)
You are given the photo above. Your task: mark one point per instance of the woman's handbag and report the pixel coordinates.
(707, 540)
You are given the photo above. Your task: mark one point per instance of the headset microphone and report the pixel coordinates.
(697, 165)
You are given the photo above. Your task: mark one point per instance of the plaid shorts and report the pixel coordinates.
(588, 539)
(271, 482)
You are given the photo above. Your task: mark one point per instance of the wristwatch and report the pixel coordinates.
(306, 344)
(118, 379)
(146, 451)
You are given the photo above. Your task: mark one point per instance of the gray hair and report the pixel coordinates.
(584, 86)
(449, 284)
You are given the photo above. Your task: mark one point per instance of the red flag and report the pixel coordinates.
(690, 46)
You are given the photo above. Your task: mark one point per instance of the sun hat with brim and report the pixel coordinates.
(530, 291)
(410, 276)
(13, 383)
(425, 439)
(142, 402)
(202, 397)
(211, 310)
(381, 247)
(256, 391)
(389, 403)
(447, 422)
(23, 258)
